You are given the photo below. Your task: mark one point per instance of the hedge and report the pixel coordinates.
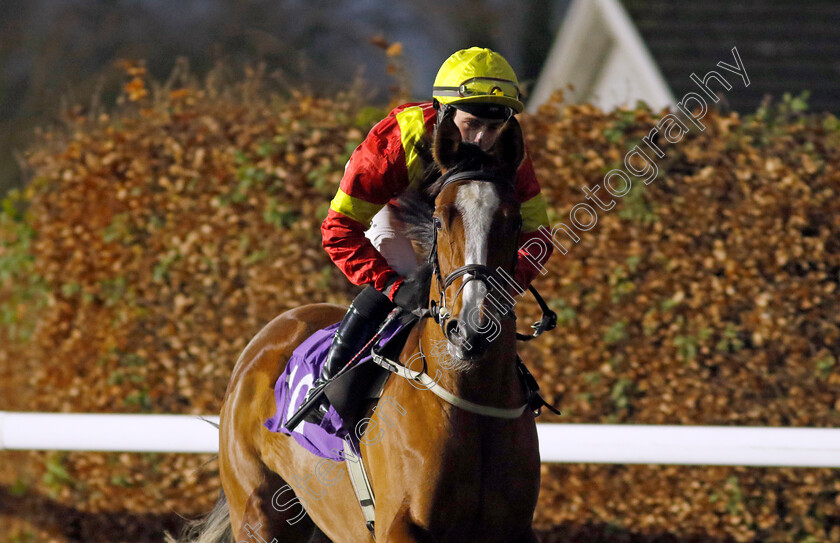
(154, 240)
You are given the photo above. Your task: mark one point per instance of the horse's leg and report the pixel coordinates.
(319, 537)
(256, 496)
(266, 519)
(242, 471)
(255, 464)
(321, 488)
(407, 532)
(402, 529)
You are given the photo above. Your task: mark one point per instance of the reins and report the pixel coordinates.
(478, 272)
(422, 377)
(440, 312)
(491, 279)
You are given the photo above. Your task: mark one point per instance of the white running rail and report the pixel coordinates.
(565, 443)
(108, 432)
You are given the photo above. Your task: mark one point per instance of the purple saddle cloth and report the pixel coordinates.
(326, 439)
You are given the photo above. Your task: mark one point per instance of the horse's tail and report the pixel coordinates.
(213, 528)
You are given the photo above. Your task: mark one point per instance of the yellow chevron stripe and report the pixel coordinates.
(534, 213)
(412, 128)
(356, 209)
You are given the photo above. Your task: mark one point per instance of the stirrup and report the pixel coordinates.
(532, 390)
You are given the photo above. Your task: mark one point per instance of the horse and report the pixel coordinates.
(440, 472)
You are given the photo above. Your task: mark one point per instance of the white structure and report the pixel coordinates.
(601, 54)
(108, 432)
(690, 445)
(568, 443)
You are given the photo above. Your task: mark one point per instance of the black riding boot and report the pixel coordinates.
(366, 313)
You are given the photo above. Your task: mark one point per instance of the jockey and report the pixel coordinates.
(364, 238)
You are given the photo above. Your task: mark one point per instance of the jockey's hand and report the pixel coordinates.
(410, 294)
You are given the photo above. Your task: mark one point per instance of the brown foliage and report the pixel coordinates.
(706, 297)
(164, 236)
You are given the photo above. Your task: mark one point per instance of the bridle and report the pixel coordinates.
(440, 312)
(491, 279)
(477, 272)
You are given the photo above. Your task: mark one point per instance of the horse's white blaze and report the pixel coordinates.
(477, 203)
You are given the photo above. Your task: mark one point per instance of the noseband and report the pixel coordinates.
(477, 272)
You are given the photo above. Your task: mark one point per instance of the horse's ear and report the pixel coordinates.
(509, 148)
(447, 141)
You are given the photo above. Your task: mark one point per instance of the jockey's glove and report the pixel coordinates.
(410, 294)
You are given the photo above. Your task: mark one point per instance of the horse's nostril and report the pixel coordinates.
(452, 330)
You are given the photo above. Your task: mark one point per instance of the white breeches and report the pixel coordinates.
(386, 234)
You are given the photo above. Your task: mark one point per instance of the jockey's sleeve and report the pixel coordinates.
(375, 173)
(534, 247)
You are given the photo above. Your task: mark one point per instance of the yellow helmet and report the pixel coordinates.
(477, 76)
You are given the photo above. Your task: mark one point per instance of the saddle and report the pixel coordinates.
(349, 392)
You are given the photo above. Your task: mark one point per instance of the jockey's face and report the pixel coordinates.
(483, 132)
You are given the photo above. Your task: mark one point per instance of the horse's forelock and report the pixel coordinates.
(470, 158)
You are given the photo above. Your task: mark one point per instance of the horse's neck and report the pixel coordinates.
(490, 380)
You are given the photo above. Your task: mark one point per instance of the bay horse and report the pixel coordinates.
(440, 473)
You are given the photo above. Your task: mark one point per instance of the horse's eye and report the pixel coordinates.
(437, 223)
